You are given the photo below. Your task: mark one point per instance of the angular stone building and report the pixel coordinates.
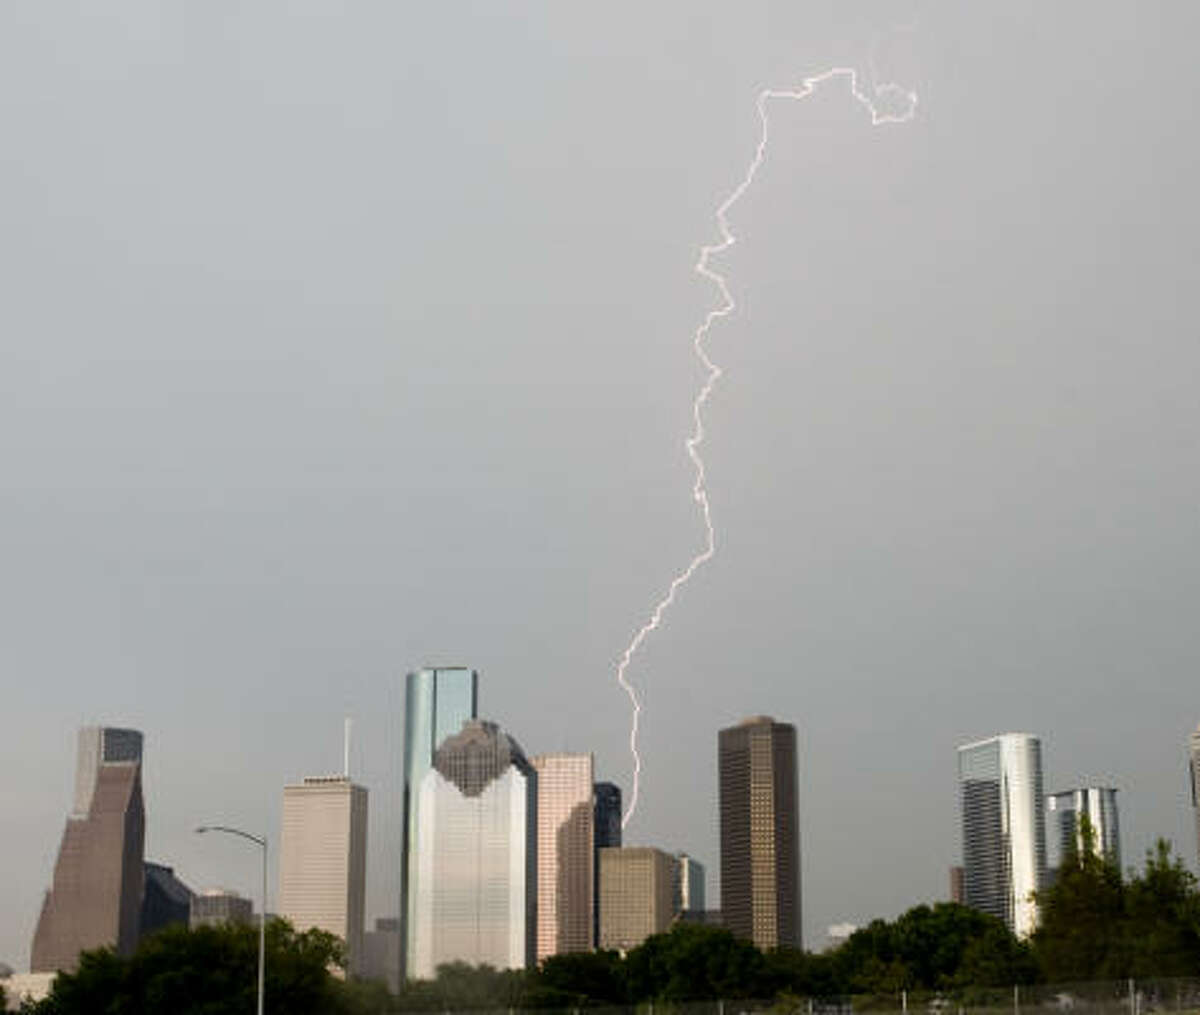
(96, 899)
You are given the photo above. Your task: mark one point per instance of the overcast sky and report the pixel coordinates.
(338, 340)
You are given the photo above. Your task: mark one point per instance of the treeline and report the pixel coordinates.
(1096, 925)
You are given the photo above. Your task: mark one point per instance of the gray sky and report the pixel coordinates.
(340, 341)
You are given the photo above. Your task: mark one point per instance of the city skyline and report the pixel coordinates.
(1006, 827)
(340, 341)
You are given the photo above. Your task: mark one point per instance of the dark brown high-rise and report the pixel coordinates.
(760, 832)
(97, 894)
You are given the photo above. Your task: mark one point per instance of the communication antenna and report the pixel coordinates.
(349, 725)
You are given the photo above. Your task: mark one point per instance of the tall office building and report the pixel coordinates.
(607, 833)
(565, 853)
(637, 895)
(437, 701)
(323, 860)
(1099, 805)
(760, 833)
(476, 855)
(97, 894)
(689, 894)
(1003, 834)
(1194, 772)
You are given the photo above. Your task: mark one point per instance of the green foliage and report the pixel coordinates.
(930, 948)
(1096, 926)
(694, 962)
(210, 971)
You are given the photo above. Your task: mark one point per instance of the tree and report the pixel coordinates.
(694, 962)
(1162, 908)
(1080, 934)
(208, 971)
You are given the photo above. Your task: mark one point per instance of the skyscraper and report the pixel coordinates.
(566, 853)
(1194, 772)
(760, 834)
(1003, 834)
(97, 894)
(323, 859)
(1099, 805)
(637, 894)
(476, 855)
(607, 833)
(437, 701)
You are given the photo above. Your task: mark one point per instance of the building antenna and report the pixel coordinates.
(349, 724)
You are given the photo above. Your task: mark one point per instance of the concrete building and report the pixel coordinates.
(1064, 834)
(638, 885)
(760, 832)
(96, 897)
(476, 855)
(565, 853)
(165, 900)
(1003, 831)
(689, 895)
(437, 701)
(323, 860)
(216, 906)
(381, 953)
(1194, 772)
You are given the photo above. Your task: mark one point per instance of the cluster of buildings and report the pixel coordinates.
(1014, 836)
(505, 858)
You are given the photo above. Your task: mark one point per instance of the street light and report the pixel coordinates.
(262, 914)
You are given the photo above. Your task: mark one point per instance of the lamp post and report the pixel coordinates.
(262, 914)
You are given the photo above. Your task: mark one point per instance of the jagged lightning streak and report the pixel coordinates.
(887, 103)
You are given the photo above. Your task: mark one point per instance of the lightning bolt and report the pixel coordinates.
(888, 103)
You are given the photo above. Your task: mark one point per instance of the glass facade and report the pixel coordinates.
(1099, 804)
(436, 704)
(1003, 835)
(476, 855)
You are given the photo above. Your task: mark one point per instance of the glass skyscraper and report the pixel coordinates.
(476, 855)
(1099, 805)
(437, 701)
(1003, 834)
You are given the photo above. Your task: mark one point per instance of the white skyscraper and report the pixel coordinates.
(323, 859)
(476, 855)
(1003, 834)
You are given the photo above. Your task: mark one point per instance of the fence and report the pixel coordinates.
(1115, 997)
